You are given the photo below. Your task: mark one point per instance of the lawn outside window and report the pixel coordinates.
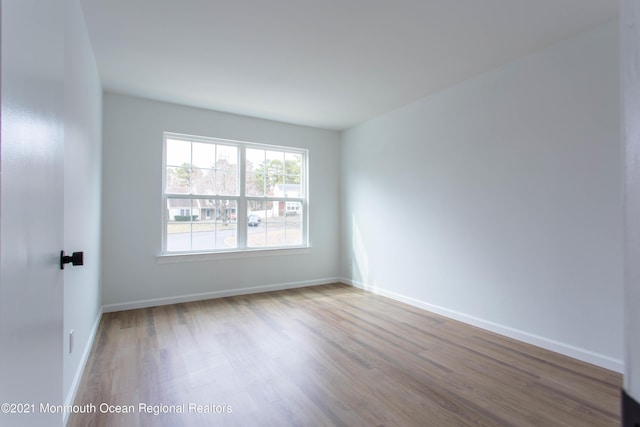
(232, 196)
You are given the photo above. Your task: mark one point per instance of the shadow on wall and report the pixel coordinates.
(360, 259)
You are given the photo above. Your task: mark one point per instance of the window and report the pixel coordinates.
(221, 195)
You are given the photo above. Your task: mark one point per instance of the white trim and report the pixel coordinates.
(214, 256)
(75, 384)
(215, 294)
(542, 342)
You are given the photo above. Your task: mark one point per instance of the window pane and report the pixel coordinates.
(275, 157)
(293, 164)
(203, 236)
(255, 184)
(178, 236)
(289, 189)
(204, 155)
(274, 171)
(256, 218)
(274, 223)
(179, 221)
(226, 211)
(255, 159)
(201, 224)
(227, 155)
(275, 230)
(178, 152)
(178, 180)
(226, 224)
(293, 229)
(254, 172)
(256, 236)
(226, 183)
(202, 181)
(258, 207)
(179, 210)
(227, 170)
(293, 179)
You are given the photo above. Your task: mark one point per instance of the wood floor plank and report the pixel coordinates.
(329, 355)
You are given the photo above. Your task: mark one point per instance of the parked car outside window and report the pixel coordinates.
(253, 220)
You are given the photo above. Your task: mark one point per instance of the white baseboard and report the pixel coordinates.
(71, 396)
(546, 343)
(215, 294)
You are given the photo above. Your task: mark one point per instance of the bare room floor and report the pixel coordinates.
(328, 355)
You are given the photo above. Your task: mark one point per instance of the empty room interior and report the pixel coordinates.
(344, 213)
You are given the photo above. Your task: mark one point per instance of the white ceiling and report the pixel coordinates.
(323, 63)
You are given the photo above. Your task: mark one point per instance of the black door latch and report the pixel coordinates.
(77, 258)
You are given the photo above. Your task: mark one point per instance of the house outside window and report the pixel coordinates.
(221, 195)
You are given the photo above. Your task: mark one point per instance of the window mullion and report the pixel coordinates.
(242, 203)
(190, 225)
(191, 169)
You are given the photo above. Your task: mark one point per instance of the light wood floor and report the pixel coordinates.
(331, 355)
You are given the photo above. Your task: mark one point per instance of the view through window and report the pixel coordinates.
(222, 195)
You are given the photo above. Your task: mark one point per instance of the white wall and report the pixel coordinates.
(82, 186)
(132, 165)
(498, 201)
(631, 88)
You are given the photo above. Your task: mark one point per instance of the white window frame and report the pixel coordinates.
(241, 198)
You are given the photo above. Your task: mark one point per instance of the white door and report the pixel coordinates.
(31, 209)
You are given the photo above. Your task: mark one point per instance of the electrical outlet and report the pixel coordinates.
(71, 341)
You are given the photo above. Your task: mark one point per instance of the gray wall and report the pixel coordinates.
(132, 203)
(498, 201)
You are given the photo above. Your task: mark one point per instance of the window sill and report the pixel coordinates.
(216, 256)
